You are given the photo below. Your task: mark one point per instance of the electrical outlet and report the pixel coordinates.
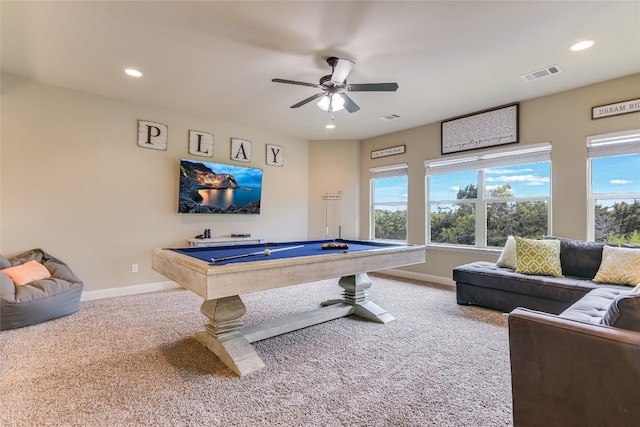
(134, 268)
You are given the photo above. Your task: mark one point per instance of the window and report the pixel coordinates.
(389, 189)
(614, 187)
(480, 200)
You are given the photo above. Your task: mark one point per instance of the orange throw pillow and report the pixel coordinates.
(27, 272)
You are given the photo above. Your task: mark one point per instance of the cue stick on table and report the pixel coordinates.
(263, 252)
(340, 215)
(326, 215)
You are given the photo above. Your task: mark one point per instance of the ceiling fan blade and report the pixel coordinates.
(341, 71)
(349, 105)
(309, 99)
(293, 82)
(373, 87)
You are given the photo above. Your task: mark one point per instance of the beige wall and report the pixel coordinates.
(564, 119)
(333, 167)
(74, 182)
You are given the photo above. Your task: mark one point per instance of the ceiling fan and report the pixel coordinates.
(334, 85)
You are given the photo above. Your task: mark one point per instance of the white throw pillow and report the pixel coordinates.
(509, 256)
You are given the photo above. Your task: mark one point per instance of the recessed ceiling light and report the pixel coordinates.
(133, 72)
(586, 44)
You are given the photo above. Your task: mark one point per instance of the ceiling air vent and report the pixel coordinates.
(389, 117)
(542, 73)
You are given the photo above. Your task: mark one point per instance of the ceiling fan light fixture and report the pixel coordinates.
(331, 124)
(333, 102)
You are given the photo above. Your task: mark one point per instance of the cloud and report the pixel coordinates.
(527, 179)
(506, 171)
(620, 181)
(455, 188)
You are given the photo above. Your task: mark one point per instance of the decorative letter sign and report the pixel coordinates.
(624, 107)
(240, 150)
(391, 151)
(275, 155)
(200, 143)
(152, 135)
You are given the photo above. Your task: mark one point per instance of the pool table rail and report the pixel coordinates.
(212, 282)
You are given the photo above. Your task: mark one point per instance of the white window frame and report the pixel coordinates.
(608, 145)
(401, 169)
(531, 153)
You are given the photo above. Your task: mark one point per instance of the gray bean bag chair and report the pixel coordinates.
(39, 300)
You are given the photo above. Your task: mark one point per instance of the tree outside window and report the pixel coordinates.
(614, 193)
(479, 201)
(389, 190)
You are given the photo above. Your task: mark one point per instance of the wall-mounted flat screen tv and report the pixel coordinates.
(217, 188)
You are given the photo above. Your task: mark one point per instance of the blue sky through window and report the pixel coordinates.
(616, 174)
(393, 189)
(526, 180)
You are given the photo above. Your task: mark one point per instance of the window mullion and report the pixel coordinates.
(481, 212)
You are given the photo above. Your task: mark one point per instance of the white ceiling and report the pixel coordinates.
(217, 59)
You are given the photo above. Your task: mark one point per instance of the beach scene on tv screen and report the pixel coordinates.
(207, 187)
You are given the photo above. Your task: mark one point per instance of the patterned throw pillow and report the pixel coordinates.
(619, 266)
(509, 257)
(538, 257)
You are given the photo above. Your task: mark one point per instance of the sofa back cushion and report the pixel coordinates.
(624, 312)
(579, 258)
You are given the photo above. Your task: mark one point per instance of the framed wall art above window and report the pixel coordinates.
(488, 128)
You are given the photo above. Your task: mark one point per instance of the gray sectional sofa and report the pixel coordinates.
(487, 285)
(574, 344)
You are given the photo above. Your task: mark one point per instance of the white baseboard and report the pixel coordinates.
(419, 276)
(128, 290)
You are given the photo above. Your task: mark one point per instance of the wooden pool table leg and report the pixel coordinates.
(355, 294)
(222, 335)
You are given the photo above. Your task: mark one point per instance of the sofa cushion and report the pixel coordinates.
(579, 258)
(540, 257)
(508, 257)
(488, 275)
(620, 266)
(624, 312)
(593, 307)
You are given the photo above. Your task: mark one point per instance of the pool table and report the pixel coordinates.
(221, 274)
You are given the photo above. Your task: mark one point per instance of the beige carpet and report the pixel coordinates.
(131, 361)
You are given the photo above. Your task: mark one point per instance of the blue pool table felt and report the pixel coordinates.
(309, 248)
